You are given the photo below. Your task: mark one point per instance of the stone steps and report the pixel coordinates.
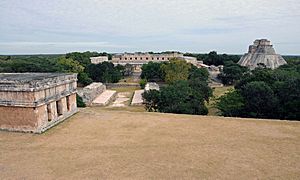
(137, 99)
(105, 98)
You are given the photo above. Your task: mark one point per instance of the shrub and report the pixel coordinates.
(80, 102)
(143, 83)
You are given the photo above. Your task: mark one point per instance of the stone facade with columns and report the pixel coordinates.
(34, 102)
(138, 59)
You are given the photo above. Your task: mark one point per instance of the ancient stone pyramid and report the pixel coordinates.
(261, 52)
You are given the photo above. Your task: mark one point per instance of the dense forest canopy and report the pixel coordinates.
(75, 62)
(265, 93)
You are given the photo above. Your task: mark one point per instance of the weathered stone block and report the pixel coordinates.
(90, 92)
(34, 102)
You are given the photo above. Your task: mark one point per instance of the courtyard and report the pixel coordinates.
(117, 144)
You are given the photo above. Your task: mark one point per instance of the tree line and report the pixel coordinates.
(265, 93)
(74, 62)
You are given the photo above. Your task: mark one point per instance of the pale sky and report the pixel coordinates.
(227, 26)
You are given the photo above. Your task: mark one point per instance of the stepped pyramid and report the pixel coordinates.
(261, 52)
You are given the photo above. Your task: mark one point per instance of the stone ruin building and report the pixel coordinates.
(99, 59)
(138, 59)
(34, 102)
(96, 94)
(261, 52)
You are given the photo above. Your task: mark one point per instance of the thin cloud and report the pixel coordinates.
(184, 25)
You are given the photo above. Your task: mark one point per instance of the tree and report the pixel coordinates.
(198, 81)
(82, 58)
(231, 104)
(84, 79)
(232, 73)
(200, 89)
(128, 70)
(288, 94)
(69, 65)
(151, 98)
(258, 74)
(199, 74)
(104, 72)
(213, 59)
(143, 83)
(267, 93)
(176, 70)
(152, 72)
(260, 101)
(79, 101)
(180, 98)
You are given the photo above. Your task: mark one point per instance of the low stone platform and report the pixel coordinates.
(137, 99)
(105, 98)
(90, 92)
(122, 99)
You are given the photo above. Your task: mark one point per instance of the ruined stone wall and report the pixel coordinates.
(36, 119)
(90, 92)
(35, 98)
(261, 52)
(18, 118)
(145, 57)
(34, 104)
(67, 106)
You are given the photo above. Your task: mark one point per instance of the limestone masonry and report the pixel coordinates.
(138, 59)
(34, 102)
(261, 52)
(90, 92)
(99, 59)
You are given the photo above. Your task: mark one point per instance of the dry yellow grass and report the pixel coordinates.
(101, 144)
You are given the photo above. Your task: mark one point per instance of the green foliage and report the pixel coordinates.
(69, 65)
(143, 83)
(21, 64)
(82, 58)
(265, 93)
(199, 74)
(288, 94)
(176, 70)
(260, 100)
(200, 89)
(74, 62)
(198, 81)
(104, 72)
(152, 98)
(128, 70)
(186, 92)
(84, 79)
(180, 98)
(79, 101)
(232, 73)
(213, 58)
(231, 104)
(152, 72)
